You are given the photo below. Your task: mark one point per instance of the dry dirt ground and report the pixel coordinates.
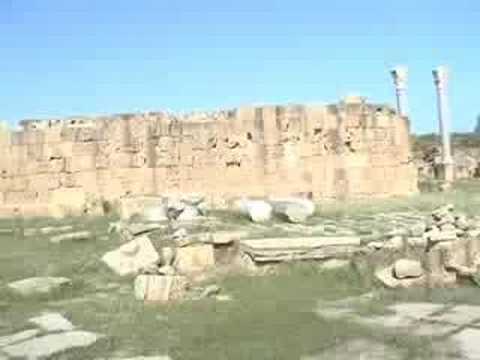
(300, 312)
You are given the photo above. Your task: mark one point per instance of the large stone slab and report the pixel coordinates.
(48, 345)
(131, 257)
(52, 322)
(302, 248)
(38, 285)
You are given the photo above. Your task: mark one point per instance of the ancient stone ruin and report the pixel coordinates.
(349, 149)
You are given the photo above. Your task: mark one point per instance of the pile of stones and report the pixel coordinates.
(447, 248)
(166, 273)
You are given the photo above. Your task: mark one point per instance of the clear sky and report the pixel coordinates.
(86, 57)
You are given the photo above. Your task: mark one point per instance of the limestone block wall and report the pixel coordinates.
(349, 149)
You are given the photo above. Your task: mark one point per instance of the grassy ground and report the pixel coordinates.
(270, 317)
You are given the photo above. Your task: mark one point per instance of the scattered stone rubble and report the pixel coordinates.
(448, 249)
(55, 335)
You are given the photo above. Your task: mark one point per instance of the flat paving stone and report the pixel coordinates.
(358, 350)
(49, 345)
(459, 315)
(17, 337)
(52, 322)
(468, 342)
(416, 310)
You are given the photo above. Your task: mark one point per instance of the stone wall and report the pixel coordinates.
(349, 149)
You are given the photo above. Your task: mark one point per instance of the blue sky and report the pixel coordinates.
(61, 58)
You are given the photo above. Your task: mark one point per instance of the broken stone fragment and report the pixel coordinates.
(131, 257)
(160, 288)
(405, 268)
(387, 278)
(76, 236)
(293, 209)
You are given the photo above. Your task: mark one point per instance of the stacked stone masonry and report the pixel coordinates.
(350, 149)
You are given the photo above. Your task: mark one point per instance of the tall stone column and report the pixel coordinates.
(400, 79)
(440, 76)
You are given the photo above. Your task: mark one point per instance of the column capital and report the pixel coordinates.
(400, 77)
(440, 76)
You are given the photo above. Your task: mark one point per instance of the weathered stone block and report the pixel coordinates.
(195, 258)
(160, 288)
